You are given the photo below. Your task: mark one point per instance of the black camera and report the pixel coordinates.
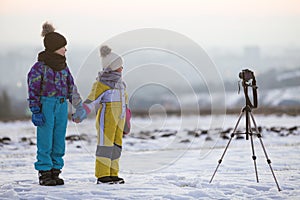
(249, 81)
(246, 75)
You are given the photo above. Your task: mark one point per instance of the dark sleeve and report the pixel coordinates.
(34, 81)
(73, 94)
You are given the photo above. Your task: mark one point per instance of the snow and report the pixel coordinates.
(160, 160)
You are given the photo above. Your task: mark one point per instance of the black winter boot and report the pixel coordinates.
(105, 180)
(55, 174)
(45, 178)
(117, 180)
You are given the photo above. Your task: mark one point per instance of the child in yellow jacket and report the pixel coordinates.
(108, 97)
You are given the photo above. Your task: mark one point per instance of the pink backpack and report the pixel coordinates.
(127, 122)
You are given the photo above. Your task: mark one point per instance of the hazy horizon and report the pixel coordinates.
(232, 35)
(228, 23)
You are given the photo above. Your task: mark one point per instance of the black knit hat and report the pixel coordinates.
(52, 40)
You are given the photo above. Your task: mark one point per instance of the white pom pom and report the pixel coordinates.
(105, 50)
(47, 28)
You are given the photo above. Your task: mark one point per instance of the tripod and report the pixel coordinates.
(249, 132)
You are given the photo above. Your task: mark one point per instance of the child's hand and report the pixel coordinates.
(76, 120)
(38, 118)
(80, 114)
(87, 109)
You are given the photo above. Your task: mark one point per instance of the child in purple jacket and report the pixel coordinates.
(50, 85)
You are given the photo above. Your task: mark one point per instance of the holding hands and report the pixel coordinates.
(81, 113)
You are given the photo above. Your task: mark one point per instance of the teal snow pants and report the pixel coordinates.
(51, 136)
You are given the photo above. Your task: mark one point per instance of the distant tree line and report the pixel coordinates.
(12, 109)
(5, 103)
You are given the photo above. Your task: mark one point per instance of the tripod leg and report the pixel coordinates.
(232, 135)
(220, 161)
(252, 144)
(254, 157)
(265, 152)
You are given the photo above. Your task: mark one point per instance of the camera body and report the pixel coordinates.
(246, 75)
(249, 81)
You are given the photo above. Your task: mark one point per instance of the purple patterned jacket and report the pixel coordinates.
(44, 81)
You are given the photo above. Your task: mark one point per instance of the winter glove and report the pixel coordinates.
(87, 109)
(80, 114)
(37, 118)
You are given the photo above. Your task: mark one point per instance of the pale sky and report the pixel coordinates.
(211, 23)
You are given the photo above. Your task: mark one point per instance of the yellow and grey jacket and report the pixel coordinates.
(106, 97)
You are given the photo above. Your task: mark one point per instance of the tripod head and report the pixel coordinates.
(248, 80)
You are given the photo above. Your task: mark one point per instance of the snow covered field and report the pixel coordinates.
(163, 158)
